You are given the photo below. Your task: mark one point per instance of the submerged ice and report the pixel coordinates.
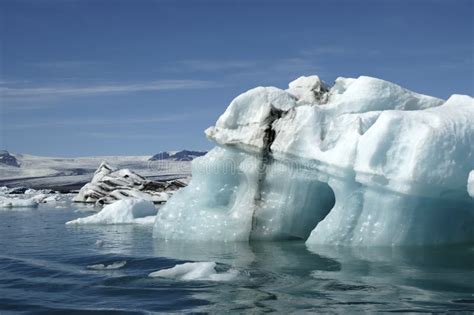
(364, 162)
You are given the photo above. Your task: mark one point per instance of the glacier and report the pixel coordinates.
(363, 162)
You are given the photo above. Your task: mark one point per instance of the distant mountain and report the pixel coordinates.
(183, 155)
(7, 159)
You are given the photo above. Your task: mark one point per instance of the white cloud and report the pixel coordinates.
(207, 65)
(128, 135)
(71, 90)
(323, 50)
(102, 122)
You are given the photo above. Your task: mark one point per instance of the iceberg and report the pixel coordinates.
(124, 211)
(109, 185)
(18, 203)
(364, 162)
(470, 184)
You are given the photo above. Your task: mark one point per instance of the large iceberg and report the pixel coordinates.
(364, 162)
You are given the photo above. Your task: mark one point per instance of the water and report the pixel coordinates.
(43, 268)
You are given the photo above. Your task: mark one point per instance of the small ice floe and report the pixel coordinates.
(470, 184)
(4, 190)
(39, 198)
(51, 199)
(138, 211)
(204, 271)
(18, 203)
(112, 266)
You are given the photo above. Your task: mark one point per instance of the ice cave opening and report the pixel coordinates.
(291, 201)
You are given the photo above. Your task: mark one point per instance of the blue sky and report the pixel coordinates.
(103, 77)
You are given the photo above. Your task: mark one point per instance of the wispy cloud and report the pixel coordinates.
(268, 68)
(323, 50)
(70, 90)
(338, 51)
(61, 123)
(304, 61)
(207, 65)
(128, 135)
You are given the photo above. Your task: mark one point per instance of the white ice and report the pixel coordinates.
(109, 185)
(18, 203)
(364, 162)
(138, 211)
(470, 184)
(203, 271)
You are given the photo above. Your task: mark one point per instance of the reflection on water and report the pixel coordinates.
(282, 276)
(44, 267)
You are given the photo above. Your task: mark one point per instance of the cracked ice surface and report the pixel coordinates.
(364, 162)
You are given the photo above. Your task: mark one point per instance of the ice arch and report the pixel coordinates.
(228, 200)
(395, 162)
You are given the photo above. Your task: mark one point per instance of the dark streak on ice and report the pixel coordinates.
(266, 156)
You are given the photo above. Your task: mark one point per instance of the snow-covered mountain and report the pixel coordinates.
(7, 159)
(363, 162)
(183, 155)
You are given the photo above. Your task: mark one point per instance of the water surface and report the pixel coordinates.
(44, 268)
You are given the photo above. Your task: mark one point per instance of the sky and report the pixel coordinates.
(115, 77)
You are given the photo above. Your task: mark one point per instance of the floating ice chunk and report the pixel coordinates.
(39, 198)
(109, 185)
(205, 271)
(18, 203)
(51, 199)
(138, 211)
(367, 162)
(112, 266)
(4, 190)
(470, 184)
